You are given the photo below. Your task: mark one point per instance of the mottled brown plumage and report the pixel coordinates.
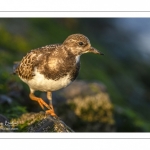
(53, 67)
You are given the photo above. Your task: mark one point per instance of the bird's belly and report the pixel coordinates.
(40, 83)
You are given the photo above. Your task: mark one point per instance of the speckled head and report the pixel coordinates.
(79, 44)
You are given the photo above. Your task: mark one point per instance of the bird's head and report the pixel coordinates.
(79, 44)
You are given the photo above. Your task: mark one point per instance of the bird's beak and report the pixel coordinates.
(95, 51)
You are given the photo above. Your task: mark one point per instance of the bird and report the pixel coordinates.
(53, 67)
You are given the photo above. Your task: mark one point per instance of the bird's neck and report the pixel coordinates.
(72, 50)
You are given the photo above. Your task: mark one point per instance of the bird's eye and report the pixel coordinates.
(81, 43)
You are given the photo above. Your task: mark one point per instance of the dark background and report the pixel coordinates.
(124, 69)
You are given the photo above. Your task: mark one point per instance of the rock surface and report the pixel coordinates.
(39, 122)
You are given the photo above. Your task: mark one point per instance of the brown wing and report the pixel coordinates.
(27, 65)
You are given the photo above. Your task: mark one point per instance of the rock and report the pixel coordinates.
(87, 107)
(39, 122)
(82, 88)
(5, 99)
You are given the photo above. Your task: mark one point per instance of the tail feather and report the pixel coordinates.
(15, 66)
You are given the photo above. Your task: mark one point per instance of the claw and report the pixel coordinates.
(51, 112)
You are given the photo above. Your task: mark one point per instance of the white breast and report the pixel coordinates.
(40, 83)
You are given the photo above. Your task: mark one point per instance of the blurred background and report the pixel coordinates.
(123, 73)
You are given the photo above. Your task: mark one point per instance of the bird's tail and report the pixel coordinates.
(15, 66)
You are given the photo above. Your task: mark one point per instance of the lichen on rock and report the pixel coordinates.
(39, 122)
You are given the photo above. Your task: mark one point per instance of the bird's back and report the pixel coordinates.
(52, 61)
(25, 68)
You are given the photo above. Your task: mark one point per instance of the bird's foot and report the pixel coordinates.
(51, 112)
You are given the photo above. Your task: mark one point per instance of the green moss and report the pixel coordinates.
(13, 110)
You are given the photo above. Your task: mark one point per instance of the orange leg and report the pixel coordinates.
(51, 110)
(39, 100)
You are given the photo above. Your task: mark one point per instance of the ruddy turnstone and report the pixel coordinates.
(53, 67)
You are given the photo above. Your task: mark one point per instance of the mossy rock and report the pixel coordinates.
(39, 122)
